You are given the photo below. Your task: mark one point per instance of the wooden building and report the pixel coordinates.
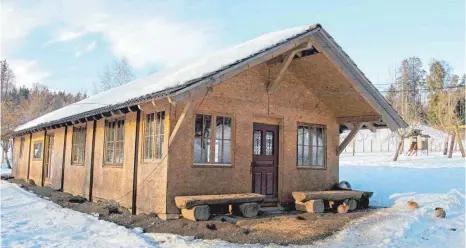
(263, 116)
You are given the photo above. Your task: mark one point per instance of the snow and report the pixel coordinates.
(5, 171)
(169, 78)
(384, 140)
(29, 221)
(432, 181)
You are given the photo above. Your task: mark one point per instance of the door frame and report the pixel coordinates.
(278, 121)
(48, 152)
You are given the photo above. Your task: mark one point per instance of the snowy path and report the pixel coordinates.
(29, 221)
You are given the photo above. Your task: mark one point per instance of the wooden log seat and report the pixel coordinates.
(306, 201)
(197, 207)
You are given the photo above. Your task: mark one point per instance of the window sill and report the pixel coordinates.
(310, 167)
(207, 165)
(113, 166)
(77, 164)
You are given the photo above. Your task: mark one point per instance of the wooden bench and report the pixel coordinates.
(198, 207)
(318, 201)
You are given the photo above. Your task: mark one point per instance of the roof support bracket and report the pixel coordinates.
(348, 138)
(370, 126)
(186, 112)
(273, 84)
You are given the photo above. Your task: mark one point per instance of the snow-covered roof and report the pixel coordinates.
(213, 68)
(170, 79)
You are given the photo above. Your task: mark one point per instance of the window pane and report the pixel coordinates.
(314, 155)
(227, 128)
(226, 151)
(198, 127)
(219, 127)
(300, 155)
(306, 133)
(207, 125)
(320, 156)
(314, 136)
(109, 158)
(161, 118)
(257, 142)
(218, 150)
(306, 156)
(300, 135)
(269, 143)
(197, 150)
(206, 151)
(320, 136)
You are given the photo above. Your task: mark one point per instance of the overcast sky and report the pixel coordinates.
(66, 44)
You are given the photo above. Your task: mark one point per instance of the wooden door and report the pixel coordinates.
(49, 156)
(264, 166)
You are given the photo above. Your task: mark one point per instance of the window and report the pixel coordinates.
(114, 141)
(212, 129)
(78, 145)
(21, 147)
(311, 146)
(37, 150)
(154, 133)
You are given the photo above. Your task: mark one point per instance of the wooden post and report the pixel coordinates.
(400, 144)
(452, 143)
(63, 161)
(348, 138)
(460, 143)
(354, 147)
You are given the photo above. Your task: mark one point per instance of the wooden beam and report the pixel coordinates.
(348, 138)
(349, 125)
(186, 110)
(198, 92)
(362, 118)
(370, 126)
(272, 87)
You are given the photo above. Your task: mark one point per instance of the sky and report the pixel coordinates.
(67, 44)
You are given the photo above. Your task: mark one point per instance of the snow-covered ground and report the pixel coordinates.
(4, 170)
(432, 181)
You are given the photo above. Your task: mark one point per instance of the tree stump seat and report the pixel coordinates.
(198, 207)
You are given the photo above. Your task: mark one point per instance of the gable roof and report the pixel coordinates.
(217, 68)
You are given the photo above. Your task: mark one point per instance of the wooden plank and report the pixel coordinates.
(370, 126)
(191, 201)
(361, 118)
(272, 87)
(187, 108)
(349, 125)
(331, 195)
(348, 138)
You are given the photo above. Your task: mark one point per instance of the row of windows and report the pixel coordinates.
(209, 129)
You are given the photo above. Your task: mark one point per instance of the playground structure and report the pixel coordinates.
(417, 142)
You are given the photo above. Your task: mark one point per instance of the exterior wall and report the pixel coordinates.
(77, 176)
(152, 175)
(35, 172)
(113, 182)
(54, 181)
(246, 99)
(20, 167)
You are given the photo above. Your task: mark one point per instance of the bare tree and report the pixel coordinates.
(120, 73)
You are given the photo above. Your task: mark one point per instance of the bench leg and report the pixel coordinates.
(247, 210)
(196, 213)
(312, 206)
(352, 204)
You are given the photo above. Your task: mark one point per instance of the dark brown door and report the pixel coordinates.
(265, 160)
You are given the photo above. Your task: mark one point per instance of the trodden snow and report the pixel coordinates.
(432, 181)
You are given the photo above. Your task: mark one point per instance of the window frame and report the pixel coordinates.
(41, 150)
(114, 141)
(310, 145)
(213, 139)
(155, 133)
(21, 146)
(73, 145)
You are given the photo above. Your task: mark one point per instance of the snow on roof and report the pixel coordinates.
(170, 78)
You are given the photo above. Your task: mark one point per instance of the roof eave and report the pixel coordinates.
(335, 53)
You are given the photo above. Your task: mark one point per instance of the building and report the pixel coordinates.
(263, 116)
